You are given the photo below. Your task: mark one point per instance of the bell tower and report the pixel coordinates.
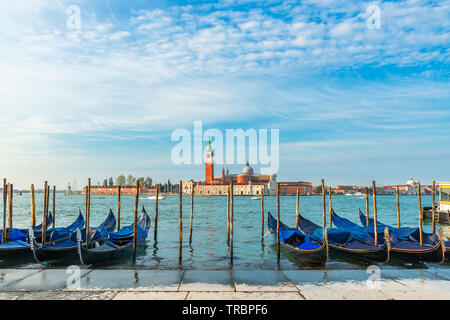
(209, 164)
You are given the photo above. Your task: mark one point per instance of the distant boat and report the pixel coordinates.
(354, 194)
(154, 198)
(255, 198)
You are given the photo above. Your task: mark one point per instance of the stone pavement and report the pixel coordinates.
(380, 284)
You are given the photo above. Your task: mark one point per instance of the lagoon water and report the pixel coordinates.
(209, 249)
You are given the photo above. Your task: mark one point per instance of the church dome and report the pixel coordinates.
(410, 182)
(247, 169)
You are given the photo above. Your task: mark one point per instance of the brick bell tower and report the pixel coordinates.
(209, 164)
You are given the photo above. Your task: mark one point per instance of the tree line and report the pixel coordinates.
(146, 182)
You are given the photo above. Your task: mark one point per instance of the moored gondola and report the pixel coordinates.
(21, 249)
(68, 248)
(295, 242)
(399, 249)
(119, 245)
(343, 245)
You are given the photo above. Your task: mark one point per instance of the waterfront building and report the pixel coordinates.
(290, 188)
(244, 183)
(444, 196)
(114, 190)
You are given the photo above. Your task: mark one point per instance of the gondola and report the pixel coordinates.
(399, 249)
(68, 248)
(295, 242)
(22, 234)
(343, 245)
(20, 249)
(409, 233)
(404, 233)
(119, 245)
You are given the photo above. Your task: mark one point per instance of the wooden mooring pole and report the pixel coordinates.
(136, 206)
(366, 191)
(324, 211)
(231, 221)
(331, 207)
(10, 206)
(324, 206)
(88, 210)
(180, 222)
(374, 191)
(48, 202)
(118, 206)
(297, 208)
(278, 222)
(228, 213)
(54, 206)
(156, 212)
(192, 214)
(5, 194)
(420, 214)
(33, 207)
(397, 193)
(262, 214)
(44, 213)
(433, 219)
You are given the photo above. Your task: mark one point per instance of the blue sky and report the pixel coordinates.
(352, 104)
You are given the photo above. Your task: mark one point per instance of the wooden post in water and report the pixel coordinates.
(33, 207)
(44, 213)
(366, 191)
(231, 221)
(54, 206)
(192, 213)
(118, 206)
(278, 221)
(420, 214)
(136, 205)
(397, 193)
(5, 193)
(10, 206)
(324, 215)
(433, 219)
(324, 222)
(48, 202)
(375, 212)
(180, 221)
(228, 213)
(331, 207)
(156, 212)
(88, 210)
(262, 213)
(297, 208)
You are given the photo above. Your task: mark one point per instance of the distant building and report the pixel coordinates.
(290, 188)
(114, 190)
(244, 183)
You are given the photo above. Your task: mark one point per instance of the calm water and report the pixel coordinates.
(209, 249)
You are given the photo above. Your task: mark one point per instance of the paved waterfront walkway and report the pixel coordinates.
(225, 284)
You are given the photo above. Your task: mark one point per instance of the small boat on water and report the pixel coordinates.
(343, 244)
(409, 234)
(21, 248)
(400, 248)
(68, 248)
(294, 241)
(119, 245)
(255, 198)
(154, 198)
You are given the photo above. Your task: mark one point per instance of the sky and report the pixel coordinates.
(101, 95)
